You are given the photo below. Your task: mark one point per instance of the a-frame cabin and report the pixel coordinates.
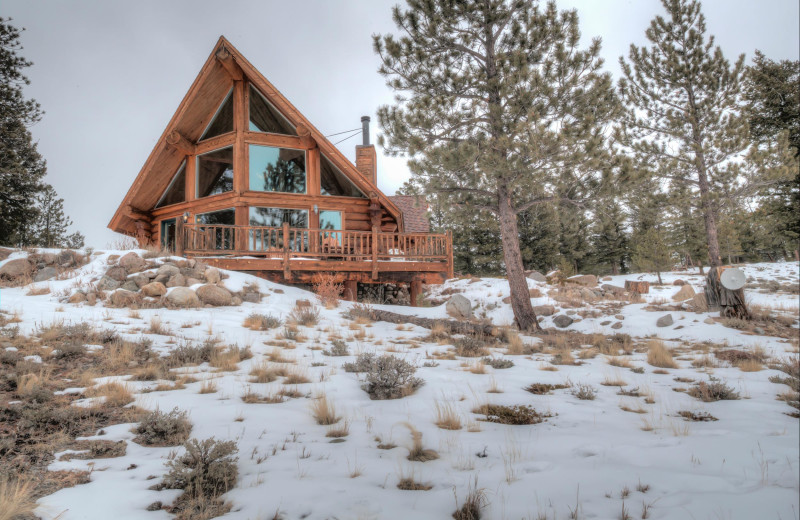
(243, 180)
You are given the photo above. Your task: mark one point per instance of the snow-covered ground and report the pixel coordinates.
(591, 455)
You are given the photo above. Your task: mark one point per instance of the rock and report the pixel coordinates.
(699, 302)
(140, 280)
(587, 280)
(48, 258)
(606, 278)
(117, 273)
(458, 306)
(212, 275)
(130, 285)
(236, 301)
(123, 298)
(161, 278)
(91, 298)
(664, 321)
(214, 295)
(562, 321)
(685, 293)
(45, 274)
(544, 310)
(77, 297)
(16, 268)
(107, 284)
(302, 304)
(192, 281)
(619, 317)
(154, 289)
(507, 299)
(616, 290)
(112, 259)
(759, 331)
(679, 282)
(617, 325)
(169, 270)
(587, 295)
(251, 297)
(183, 297)
(604, 323)
(536, 276)
(132, 262)
(572, 312)
(709, 321)
(176, 280)
(67, 258)
(533, 292)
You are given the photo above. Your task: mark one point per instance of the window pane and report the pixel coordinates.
(262, 240)
(334, 182)
(223, 119)
(330, 220)
(225, 217)
(176, 191)
(215, 172)
(277, 169)
(265, 118)
(220, 238)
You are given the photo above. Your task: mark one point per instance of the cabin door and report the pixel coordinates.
(168, 234)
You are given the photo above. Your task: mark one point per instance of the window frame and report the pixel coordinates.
(181, 168)
(305, 169)
(197, 157)
(216, 113)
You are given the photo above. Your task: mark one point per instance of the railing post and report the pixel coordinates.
(179, 236)
(374, 252)
(286, 251)
(449, 246)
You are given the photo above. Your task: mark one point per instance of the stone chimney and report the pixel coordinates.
(366, 159)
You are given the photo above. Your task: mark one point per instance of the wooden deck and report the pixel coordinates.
(295, 255)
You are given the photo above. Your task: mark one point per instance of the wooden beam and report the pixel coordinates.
(416, 292)
(181, 143)
(220, 141)
(240, 180)
(136, 214)
(278, 140)
(226, 60)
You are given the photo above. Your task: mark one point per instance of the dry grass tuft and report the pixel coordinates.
(408, 483)
(208, 386)
(324, 411)
(473, 505)
(16, 498)
(338, 431)
(264, 373)
(618, 361)
(417, 453)
(327, 289)
(116, 394)
(447, 417)
(658, 355)
(544, 388)
(296, 376)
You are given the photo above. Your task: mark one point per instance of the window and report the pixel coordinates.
(220, 237)
(226, 217)
(176, 191)
(168, 234)
(263, 240)
(334, 182)
(330, 220)
(277, 169)
(222, 122)
(265, 118)
(215, 172)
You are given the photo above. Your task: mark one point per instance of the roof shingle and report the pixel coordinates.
(415, 212)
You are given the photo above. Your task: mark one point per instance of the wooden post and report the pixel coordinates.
(179, 235)
(351, 290)
(449, 245)
(286, 251)
(374, 252)
(416, 292)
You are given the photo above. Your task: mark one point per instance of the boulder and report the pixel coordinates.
(678, 282)
(699, 302)
(107, 284)
(91, 298)
(587, 280)
(619, 317)
(617, 325)
(117, 273)
(458, 306)
(176, 280)
(48, 258)
(154, 289)
(192, 281)
(169, 270)
(562, 321)
(161, 278)
(112, 259)
(140, 280)
(214, 295)
(236, 301)
(212, 275)
(587, 295)
(664, 321)
(616, 290)
(537, 276)
(544, 310)
(77, 297)
(533, 292)
(16, 268)
(130, 285)
(132, 262)
(606, 278)
(67, 258)
(685, 293)
(123, 298)
(183, 297)
(251, 297)
(302, 304)
(45, 274)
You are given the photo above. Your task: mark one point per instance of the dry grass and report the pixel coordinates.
(618, 361)
(327, 289)
(324, 411)
(447, 417)
(38, 290)
(116, 394)
(338, 431)
(750, 365)
(417, 452)
(157, 327)
(208, 386)
(614, 379)
(265, 373)
(228, 360)
(479, 367)
(409, 483)
(16, 499)
(251, 397)
(515, 347)
(296, 376)
(658, 355)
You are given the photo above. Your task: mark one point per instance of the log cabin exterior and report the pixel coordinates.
(241, 179)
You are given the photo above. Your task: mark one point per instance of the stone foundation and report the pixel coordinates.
(387, 293)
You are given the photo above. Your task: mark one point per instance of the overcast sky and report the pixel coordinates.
(110, 74)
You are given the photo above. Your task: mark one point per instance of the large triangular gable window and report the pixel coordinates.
(222, 123)
(265, 118)
(333, 182)
(176, 191)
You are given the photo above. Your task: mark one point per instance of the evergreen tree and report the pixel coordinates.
(49, 229)
(573, 238)
(499, 109)
(685, 230)
(651, 253)
(538, 237)
(609, 241)
(21, 166)
(684, 116)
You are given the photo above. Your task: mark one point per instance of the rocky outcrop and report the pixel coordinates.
(214, 295)
(16, 268)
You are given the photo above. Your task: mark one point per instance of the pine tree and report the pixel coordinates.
(684, 116)
(609, 241)
(21, 166)
(49, 229)
(651, 253)
(499, 109)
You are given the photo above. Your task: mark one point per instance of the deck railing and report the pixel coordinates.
(289, 243)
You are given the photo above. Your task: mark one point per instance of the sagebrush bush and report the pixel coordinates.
(470, 346)
(306, 316)
(714, 390)
(327, 289)
(257, 321)
(206, 469)
(498, 363)
(515, 414)
(387, 377)
(191, 355)
(163, 428)
(584, 392)
(338, 348)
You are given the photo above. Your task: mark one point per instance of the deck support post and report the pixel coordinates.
(374, 252)
(351, 290)
(449, 246)
(179, 236)
(415, 292)
(286, 251)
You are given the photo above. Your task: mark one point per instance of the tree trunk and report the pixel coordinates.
(518, 285)
(729, 303)
(658, 273)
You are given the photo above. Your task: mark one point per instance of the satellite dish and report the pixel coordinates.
(732, 279)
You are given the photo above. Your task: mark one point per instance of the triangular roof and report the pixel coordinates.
(195, 111)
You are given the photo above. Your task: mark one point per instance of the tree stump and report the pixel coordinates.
(730, 304)
(637, 287)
